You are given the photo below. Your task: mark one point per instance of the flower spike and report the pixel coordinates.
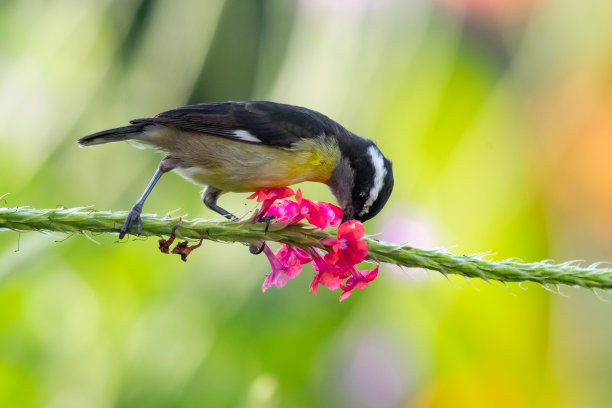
(336, 269)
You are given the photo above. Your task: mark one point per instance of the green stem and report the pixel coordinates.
(82, 220)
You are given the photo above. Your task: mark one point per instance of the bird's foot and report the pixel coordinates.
(133, 217)
(268, 220)
(258, 249)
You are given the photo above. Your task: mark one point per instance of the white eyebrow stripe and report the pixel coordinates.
(246, 136)
(378, 162)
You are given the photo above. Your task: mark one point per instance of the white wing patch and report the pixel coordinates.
(246, 136)
(378, 162)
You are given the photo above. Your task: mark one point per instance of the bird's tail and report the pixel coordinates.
(111, 135)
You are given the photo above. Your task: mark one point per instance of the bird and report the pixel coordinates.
(254, 145)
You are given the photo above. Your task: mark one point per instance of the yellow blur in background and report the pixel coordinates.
(497, 116)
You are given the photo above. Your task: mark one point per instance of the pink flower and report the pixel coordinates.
(336, 269)
(331, 213)
(267, 198)
(327, 274)
(271, 193)
(286, 264)
(293, 259)
(333, 276)
(318, 213)
(285, 210)
(349, 248)
(358, 281)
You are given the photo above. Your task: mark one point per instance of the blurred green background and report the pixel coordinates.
(497, 116)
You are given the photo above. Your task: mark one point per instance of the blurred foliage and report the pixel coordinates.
(495, 114)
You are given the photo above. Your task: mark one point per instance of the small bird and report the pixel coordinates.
(254, 145)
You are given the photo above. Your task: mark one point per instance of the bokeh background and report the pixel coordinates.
(497, 116)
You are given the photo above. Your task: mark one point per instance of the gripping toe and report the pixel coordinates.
(133, 217)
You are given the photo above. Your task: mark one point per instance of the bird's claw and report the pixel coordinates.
(133, 216)
(257, 250)
(268, 220)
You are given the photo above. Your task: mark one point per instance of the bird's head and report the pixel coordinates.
(362, 181)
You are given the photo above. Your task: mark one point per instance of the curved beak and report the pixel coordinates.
(348, 214)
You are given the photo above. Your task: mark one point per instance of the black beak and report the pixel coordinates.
(348, 214)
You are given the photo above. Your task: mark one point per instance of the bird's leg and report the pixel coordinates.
(168, 163)
(210, 195)
(256, 250)
(261, 218)
(268, 220)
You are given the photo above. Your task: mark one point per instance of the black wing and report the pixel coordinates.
(269, 123)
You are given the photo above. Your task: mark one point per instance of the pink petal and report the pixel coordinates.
(272, 193)
(352, 229)
(372, 275)
(278, 277)
(268, 197)
(312, 213)
(357, 281)
(348, 249)
(331, 213)
(260, 195)
(328, 275)
(284, 210)
(318, 213)
(345, 294)
(352, 253)
(252, 196)
(314, 284)
(275, 278)
(292, 260)
(330, 280)
(357, 253)
(301, 255)
(329, 242)
(281, 192)
(265, 206)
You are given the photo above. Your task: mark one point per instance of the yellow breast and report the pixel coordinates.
(240, 167)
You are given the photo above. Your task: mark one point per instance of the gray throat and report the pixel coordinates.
(341, 185)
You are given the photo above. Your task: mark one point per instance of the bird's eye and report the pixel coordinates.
(363, 194)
